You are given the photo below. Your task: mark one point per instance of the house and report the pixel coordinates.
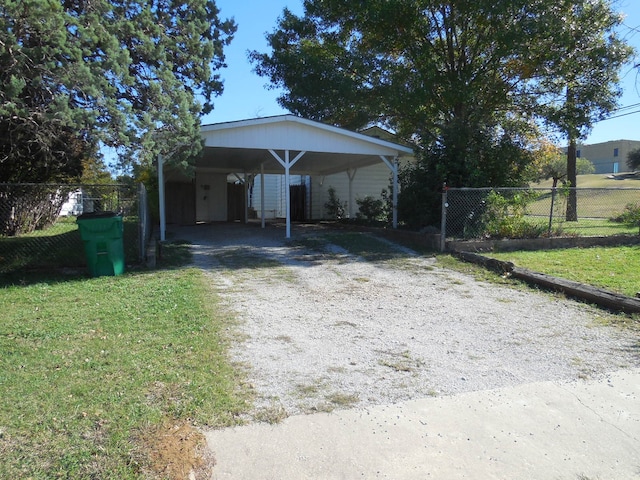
(72, 204)
(303, 157)
(608, 157)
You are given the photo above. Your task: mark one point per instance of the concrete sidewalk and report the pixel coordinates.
(581, 430)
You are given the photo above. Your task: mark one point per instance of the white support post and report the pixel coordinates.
(287, 164)
(287, 191)
(393, 166)
(163, 218)
(262, 211)
(351, 173)
(246, 199)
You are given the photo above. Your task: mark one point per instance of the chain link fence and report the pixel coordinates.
(38, 229)
(499, 213)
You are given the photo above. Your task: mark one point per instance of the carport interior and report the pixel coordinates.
(288, 145)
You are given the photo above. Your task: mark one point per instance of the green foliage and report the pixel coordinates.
(505, 217)
(387, 199)
(370, 209)
(95, 172)
(633, 159)
(466, 81)
(131, 74)
(334, 208)
(419, 200)
(630, 216)
(550, 163)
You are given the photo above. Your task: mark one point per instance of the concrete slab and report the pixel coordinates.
(581, 430)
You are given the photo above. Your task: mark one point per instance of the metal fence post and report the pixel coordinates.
(142, 222)
(553, 200)
(443, 221)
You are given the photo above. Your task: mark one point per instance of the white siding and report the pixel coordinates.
(293, 133)
(274, 194)
(368, 181)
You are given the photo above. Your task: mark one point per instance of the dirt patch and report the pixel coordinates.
(176, 451)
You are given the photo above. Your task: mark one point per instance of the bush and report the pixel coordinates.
(630, 216)
(504, 217)
(370, 209)
(334, 207)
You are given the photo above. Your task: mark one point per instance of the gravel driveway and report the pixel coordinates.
(321, 329)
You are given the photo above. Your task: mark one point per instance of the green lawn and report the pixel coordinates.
(598, 180)
(57, 246)
(613, 268)
(87, 366)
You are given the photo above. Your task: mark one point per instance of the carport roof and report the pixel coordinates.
(243, 146)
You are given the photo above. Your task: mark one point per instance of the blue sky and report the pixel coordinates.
(246, 96)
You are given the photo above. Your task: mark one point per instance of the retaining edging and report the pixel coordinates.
(599, 296)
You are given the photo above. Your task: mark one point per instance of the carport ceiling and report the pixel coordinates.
(245, 145)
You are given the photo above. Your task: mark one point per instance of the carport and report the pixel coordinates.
(289, 145)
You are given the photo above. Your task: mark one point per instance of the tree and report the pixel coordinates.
(132, 74)
(550, 163)
(582, 87)
(633, 159)
(466, 80)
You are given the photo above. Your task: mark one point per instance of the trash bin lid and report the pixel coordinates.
(91, 215)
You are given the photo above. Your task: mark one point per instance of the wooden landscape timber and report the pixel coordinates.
(588, 293)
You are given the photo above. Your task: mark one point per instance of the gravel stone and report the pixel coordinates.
(327, 330)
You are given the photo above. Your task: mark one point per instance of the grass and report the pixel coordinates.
(401, 362)
(59, 245)
(365, 246)
(598, 180)
(88, 365)
(587, 227)
(611, 268)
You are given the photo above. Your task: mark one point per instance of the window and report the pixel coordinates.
(615, 152)
(577, 153)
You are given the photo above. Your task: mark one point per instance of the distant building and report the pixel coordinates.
(608, 157)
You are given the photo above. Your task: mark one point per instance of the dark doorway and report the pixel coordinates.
(180, 203)
(235, 202)
(298, 202)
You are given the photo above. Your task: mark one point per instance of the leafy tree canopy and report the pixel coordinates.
(468, 80)
(131, 74)
(549, 162)
(633, 159)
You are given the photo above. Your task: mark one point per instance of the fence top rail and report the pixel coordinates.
(58, 185)
(535, 189)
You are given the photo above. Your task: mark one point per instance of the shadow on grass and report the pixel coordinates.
(73, 267)
(174, 254)
(57, 252)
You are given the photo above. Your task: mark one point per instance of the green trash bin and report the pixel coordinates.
(101, 234)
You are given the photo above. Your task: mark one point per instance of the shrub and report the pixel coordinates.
(504, 217)
(370, 209)
(630, 216)
(334, 207)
